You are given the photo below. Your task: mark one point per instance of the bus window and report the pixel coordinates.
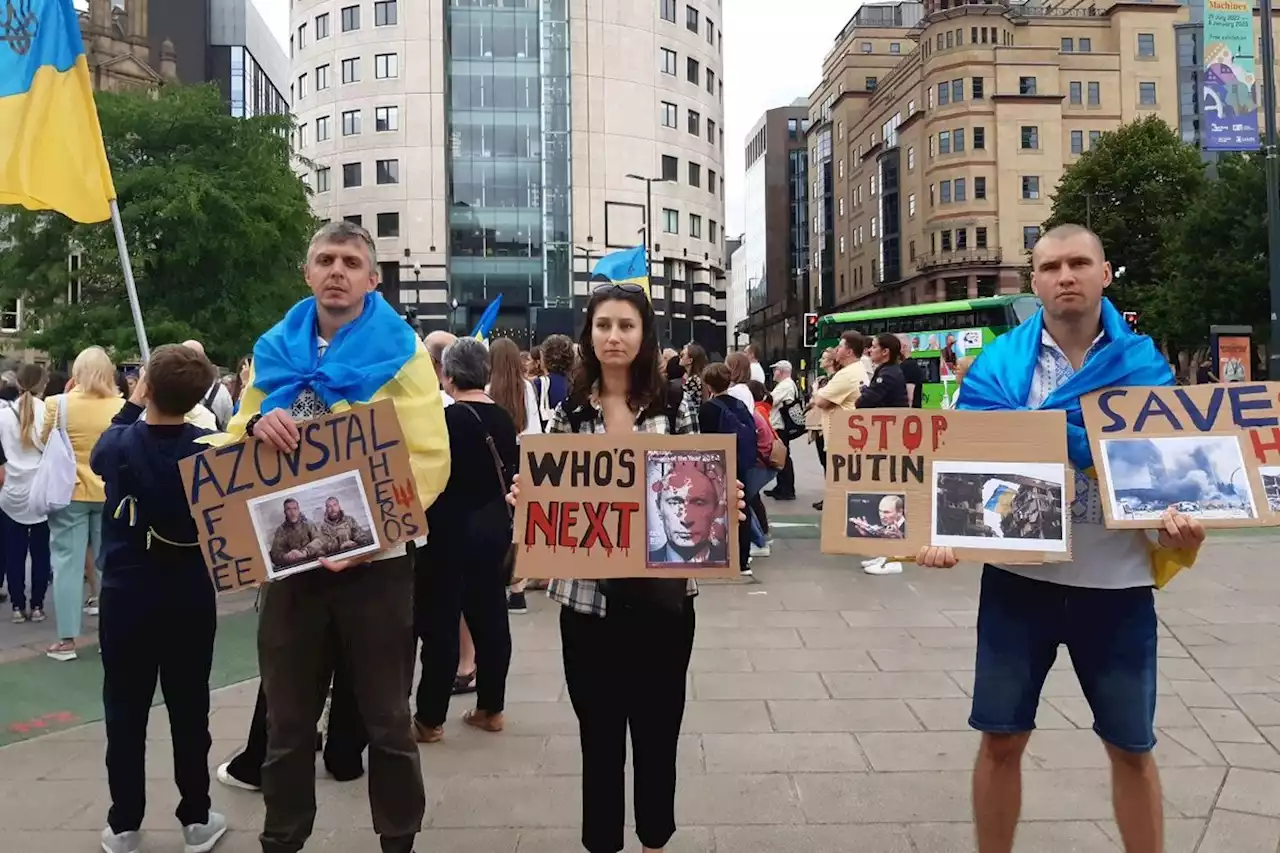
(931, 367)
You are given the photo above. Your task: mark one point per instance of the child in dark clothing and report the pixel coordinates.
(158, 614)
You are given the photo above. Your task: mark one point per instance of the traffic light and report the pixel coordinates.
(810, 331)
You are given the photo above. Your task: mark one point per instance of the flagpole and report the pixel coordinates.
(143, 347)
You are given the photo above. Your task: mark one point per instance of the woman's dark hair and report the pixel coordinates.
(506, 379)
(697, 359)
(675, 370)
(557, 355)
(646, 389)
(739, 368)
(57, 383)
(758, 391)
(890, 344)
(122, 384)
(716, 378)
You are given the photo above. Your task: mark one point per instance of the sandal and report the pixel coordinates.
(465, 683)
(427, 734)
(61, 651)
(484, 720)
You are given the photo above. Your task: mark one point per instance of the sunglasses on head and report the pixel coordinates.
(605, 286)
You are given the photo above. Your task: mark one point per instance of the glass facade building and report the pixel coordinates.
(250, 90)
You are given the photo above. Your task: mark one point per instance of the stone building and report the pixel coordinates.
(116, 43)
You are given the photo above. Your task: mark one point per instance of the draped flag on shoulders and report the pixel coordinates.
(489, 319)
(630, 266)
(52, 156)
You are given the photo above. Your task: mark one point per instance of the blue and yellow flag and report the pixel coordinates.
(630, 266)
(51, 152)
(489, 319)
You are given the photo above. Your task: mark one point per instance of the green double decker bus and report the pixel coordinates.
(939, 333)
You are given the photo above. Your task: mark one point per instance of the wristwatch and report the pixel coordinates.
(253, 422)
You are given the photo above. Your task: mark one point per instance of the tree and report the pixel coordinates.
(1124, 187)
(1214, 261)
(216, 221)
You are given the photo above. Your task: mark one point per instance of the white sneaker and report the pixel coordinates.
(757, 551)
(874, 561)
(202, 837)
(225, 777)
(883, 568)
(123, 842)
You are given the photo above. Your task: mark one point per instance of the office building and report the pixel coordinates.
(566, 133)
(941, 129)
(776, 218)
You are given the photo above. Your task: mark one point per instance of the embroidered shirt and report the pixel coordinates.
(585, 596)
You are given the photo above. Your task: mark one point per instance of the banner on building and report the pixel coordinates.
(1230, 105)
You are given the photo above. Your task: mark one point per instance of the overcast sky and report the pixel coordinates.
(773, 55)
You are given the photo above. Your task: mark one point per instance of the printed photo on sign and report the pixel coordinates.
(1000, 506)
(686, 514)
(327, 518)
(876, 516)
(1203, 476)
(1271, 486)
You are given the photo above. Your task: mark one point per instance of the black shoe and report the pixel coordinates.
(344, 771)
(817, 505)
(319, 741)
(516, 603)
(778, 497)
(770, 493)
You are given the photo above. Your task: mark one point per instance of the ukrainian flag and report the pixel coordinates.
(51, 152)
(630, 266)
(489, 319)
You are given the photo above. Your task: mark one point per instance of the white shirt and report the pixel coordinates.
(757, 372)
(21, 462)
(221, 406)
(1100, 558)
(532, 421)
(784, 394)
(743, 393)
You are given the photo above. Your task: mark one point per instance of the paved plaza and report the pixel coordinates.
(827, 712)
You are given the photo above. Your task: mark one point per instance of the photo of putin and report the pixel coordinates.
(688, 504)
(876, 516)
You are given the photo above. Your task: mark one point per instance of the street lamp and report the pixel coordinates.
(648, 219)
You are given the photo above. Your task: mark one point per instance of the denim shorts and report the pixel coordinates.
(1110, 634)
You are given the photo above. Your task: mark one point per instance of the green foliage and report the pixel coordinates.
(216, 221)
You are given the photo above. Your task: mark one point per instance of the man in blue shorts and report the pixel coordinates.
(1101, 604)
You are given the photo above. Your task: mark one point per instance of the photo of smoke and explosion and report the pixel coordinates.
(1202, 476)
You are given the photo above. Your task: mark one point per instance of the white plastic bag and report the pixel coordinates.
(55, 478)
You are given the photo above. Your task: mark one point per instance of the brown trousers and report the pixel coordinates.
(364, 615)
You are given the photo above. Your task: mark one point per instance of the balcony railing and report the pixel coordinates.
(960, 258)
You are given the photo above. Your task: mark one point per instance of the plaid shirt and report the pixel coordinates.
(582, 595)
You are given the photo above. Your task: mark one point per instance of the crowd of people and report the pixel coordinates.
(123, 546)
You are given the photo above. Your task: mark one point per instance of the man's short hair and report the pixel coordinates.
(293, 501)
(854, 340)
(342, 232)
(437, 342)
(1070, 229)
(716, 378)
(178, 378)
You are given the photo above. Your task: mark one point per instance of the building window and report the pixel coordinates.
(693, 122)
(961, 191)
(354, 219)
(1068, 45)
(302, 36)
(1094, 136)
(957, 140)
(944, 94)
(1030, 234)
(352, 176)
(351, 70)
(1146, 45)
(322, 77)
(324, 128)
(842, 244)
(695, 175)
(931, 195)
(1026, 85)
(1085, 45)
(1095, 94)
(1030, 138)
(962, 238)
(711, 82)
(1077, 142)
(302, 136)
(980, 237)
(1076, 94)
(670, 221)
(711, 181)
(911, 158)
(977, 86)
(944, 192)
(840, 168)
(711, 32)
(386, 118)
(979, 187)
(385, 13)
(911, 205)
(1031, 187)
(895, 48)
(693, 71)
(944, 142)
(322, 26)
(667, 9)
(946, 240)
(322, 179)
(668, 62)
(668, 112)
(695, 226)
(11, 316)
(388, 171)
(302, 86)
(713, 231)
(386, 66)
(951, 39)
(1147, 94)
(840, 206)
(979, 138)
(350, 18)
(711, 131)
(388, 225)
(670, 168)
(691, 19)
(350, 122)
(870, 84)
(957, 91)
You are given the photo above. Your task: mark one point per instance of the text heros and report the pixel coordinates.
(991, 485)
(1211, 451)
(640, 505)
(354, 461)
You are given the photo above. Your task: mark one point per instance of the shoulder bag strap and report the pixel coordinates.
(493, 452)
(62, 414)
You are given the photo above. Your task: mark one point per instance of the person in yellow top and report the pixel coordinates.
(844, 389)
(91, 400)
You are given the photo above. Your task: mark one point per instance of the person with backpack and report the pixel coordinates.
(787, 418)
(722, 412)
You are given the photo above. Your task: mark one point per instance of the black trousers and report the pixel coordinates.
(148, 637)
(363, 616)
(785, 487)
(343, 747)
(627, 670)
(455, 582)
(820, 442)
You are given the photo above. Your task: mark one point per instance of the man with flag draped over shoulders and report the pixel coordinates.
(1101, 604)
(341, 347)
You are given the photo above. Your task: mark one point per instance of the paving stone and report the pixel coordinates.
(1262, 710)
(923, 660)
(1191, 791)
(811, 660)
(688, 839)
(540, 718)
(1032, 837)
(1227, 725)
(502, 801)
(1241, 681)
(891, 685)
(720, 660)
(1195, 741)
(879, 838)
(919, 750)
(858, 638)
(884, 797)
(914, 618)
(842, 715)
(782, 753)
(1181, 834)
(962, 618)
(1238, 615)
(1240, 833)
(1253, 791)
(1255, 756)
(719, 799)
(770, 619)
(737, 638)
(759, 685)
(1202, 694)
(945, 638)
(724, 716)
(1181, 669)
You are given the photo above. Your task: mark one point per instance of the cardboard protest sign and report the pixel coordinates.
(634, 506)
(347, 490)
(1211, 451)
(992, 485)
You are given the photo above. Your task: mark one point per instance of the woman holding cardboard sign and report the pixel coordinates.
(626, 642)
